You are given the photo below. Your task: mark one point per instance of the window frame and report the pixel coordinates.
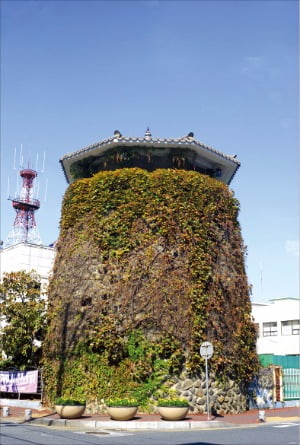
(270, 329)
(294, 327)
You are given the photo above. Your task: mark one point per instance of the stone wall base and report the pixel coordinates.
(224, 398)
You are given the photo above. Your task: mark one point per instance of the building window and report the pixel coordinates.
(270, 329)
(290, 327)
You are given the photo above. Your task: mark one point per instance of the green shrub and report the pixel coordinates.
(172, 402)
(121, 402)
(62, 401)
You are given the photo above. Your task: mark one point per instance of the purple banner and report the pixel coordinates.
(19, 381)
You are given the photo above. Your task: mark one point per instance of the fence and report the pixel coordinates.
(290, 365)
(291, 383)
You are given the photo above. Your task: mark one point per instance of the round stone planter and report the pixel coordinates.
(122, 412)
(70, 411)
(173, 412)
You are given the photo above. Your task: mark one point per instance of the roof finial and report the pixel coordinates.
(190, 135)
(148, 134)
(117, 134)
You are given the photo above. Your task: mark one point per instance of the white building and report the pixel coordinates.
(28, 257)
(278, 345)
(278, 326)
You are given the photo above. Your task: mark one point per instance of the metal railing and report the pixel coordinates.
(291, 383)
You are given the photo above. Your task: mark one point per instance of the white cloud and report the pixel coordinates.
(292, 247)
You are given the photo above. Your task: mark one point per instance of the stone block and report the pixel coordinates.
(199, 393)
(187, 384)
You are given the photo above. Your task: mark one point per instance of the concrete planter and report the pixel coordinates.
(70, 411)
(122, 412)
(173, 412)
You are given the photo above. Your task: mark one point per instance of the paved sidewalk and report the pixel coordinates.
(151, 421)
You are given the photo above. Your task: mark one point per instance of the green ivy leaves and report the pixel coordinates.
(160, 258)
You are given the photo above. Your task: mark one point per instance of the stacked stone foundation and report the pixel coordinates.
(224, 398)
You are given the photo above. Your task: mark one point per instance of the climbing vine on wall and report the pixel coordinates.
(149, 265)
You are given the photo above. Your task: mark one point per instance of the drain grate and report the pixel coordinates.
(102, 433)
(105, 433)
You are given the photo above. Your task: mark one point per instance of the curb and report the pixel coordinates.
(146, 425)
(133, 425)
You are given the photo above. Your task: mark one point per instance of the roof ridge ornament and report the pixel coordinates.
(148, 134)
(198, 156)
(189, 136)
(117, 134)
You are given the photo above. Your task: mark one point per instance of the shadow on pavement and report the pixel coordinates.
(199, 443)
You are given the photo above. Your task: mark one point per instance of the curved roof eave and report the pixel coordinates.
(203, 150)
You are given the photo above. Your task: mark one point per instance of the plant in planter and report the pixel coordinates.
(173, 408)
(122, 409)
(69, 408)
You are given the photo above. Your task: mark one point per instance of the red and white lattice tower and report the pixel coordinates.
(24, 228)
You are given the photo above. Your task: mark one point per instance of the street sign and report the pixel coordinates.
(206, 350)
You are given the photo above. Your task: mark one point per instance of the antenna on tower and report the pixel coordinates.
(25, 200)
(24, 228)
(43, 166)
(21, 156)
(36, 161)
(15, 155)
(46, 190)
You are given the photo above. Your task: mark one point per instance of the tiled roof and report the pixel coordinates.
(147, 140)
(152, 141)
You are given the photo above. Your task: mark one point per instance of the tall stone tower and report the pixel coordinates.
(150, 264)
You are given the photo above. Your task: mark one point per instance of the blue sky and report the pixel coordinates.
(72, 72)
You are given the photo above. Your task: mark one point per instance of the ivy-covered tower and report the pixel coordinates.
(150, 263)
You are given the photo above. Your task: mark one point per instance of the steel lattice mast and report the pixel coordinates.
(25, 205)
